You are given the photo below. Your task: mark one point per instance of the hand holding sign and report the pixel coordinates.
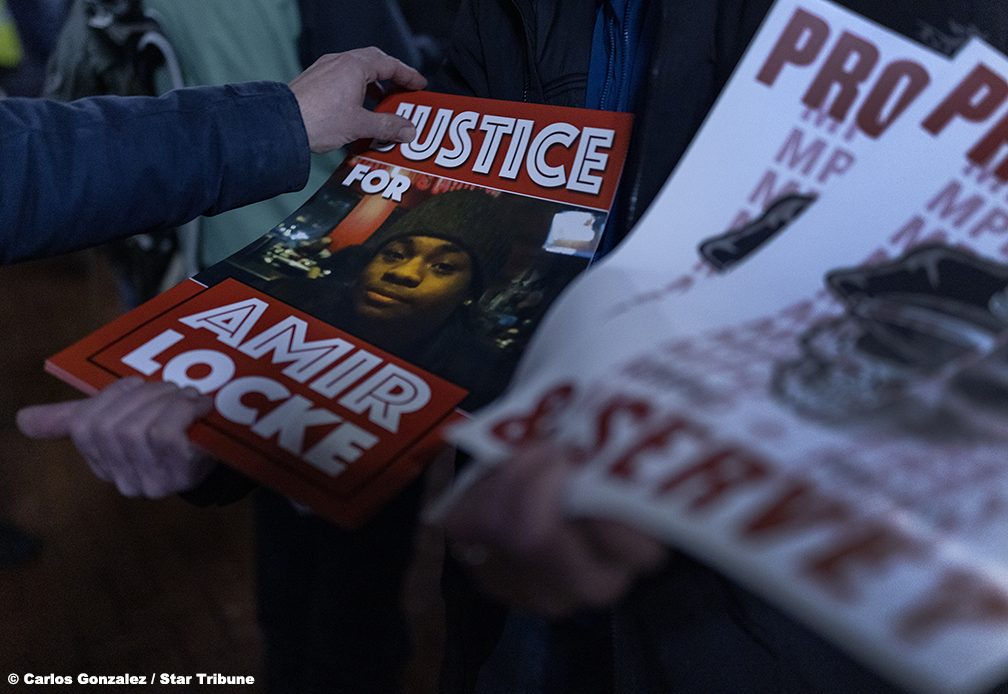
(132, 434)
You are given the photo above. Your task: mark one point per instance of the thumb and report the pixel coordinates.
(386, 127)
(47, 421)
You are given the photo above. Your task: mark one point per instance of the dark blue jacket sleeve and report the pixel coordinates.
(78, 174)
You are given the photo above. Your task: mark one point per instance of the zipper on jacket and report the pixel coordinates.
(527, 84)
(527, 64)
(610, 28)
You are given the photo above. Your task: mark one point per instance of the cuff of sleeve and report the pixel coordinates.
(265, 134)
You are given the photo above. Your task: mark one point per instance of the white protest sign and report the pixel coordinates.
(825, 422)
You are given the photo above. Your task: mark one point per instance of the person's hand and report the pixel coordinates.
(132, 434)
(331, 95)
(510, 529)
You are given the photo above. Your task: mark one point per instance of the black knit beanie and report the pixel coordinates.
(471, 219)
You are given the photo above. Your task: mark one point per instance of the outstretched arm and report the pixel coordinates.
(81, 173)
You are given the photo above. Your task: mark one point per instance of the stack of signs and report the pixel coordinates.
(806, 386)
(404, 289)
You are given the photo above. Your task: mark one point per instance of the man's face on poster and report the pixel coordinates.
(416, 280)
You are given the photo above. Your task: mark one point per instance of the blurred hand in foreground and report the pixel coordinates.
(510, 528)
(132, 434)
